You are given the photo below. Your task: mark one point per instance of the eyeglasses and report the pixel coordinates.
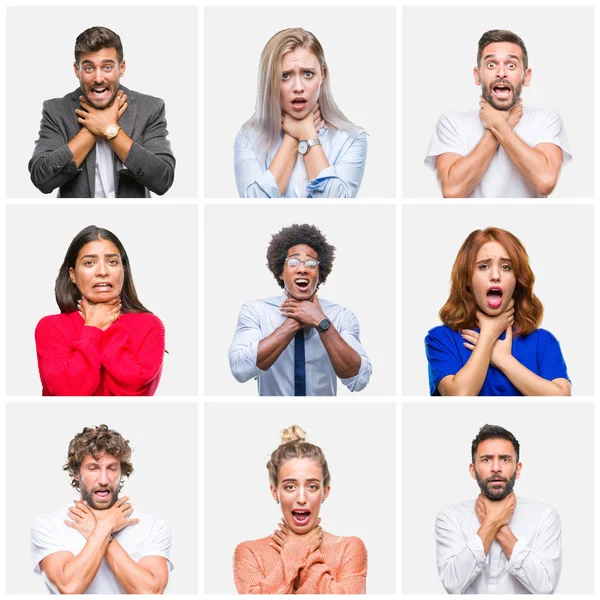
(311, 263)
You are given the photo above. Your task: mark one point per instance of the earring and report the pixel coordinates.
(277, 500)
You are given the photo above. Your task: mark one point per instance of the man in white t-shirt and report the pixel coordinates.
(99, 545)
(504, 150)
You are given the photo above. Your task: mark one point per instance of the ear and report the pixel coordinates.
(281, 276)
(519, 467)
(323, 70)
(326, 492)
(72, 275)
(274, 492)
(476, 77)
(76, 69)
(122, 68)
(472, 471)
(527, 77)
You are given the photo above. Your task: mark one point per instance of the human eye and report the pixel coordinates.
(507, 267)
(293, 262)
(483, 266)
(506, 459)
(512, 65)
(313, 487)
(108, 67)
(285, 76)
(113, 262)
(88, 69)
(311, 264)
(491, 64)
(485, 459)
(88, 263)
(309, 74)
(289, 487)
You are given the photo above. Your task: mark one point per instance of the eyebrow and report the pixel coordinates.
(503, 259)
(493, 55)
(291, 480)
(298, 254)
(287, 71)
(87, 61)
(499, 456)
(96, 256)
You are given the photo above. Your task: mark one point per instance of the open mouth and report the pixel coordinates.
(301, 283)
(300, 517)
(103, 286)
(502, 91)
(102, 495)
(299, 103)
(99, 92)
(494, 297)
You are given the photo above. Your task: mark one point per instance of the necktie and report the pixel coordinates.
(299, 365)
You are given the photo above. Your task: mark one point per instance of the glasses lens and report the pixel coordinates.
(293, 262)
(311, 264)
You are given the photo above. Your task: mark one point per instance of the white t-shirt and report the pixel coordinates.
(460, 132)
(105, 170)
(150, 537)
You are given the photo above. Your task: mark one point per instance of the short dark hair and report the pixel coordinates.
(96, 441)
(501, 35)
(493, 432)
(66, 292)
(292, 236)
(97, 38)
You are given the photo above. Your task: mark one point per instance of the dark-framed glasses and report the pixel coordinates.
(311, 263)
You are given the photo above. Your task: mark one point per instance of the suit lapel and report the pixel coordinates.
(126, 122)
(89, 164)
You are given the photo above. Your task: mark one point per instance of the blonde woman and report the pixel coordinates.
(298, 144)
(300, 558)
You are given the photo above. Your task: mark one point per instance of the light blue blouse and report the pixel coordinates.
(345, 153)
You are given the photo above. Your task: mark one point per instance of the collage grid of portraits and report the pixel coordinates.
(396, 455)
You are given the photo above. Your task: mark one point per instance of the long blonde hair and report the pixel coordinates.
(267, 116)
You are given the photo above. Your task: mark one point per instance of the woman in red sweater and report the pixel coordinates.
(300, 558)
(104, 342)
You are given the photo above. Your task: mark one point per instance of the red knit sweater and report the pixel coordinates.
(337, 568)
(77, 360)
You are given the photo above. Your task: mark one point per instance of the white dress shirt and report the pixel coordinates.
(534, 565)
(260, 318)
(105, 170)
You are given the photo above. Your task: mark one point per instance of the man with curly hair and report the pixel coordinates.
(103, 546)
(296, 344)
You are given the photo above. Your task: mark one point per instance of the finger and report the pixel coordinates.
(70, 524)
(122, 500)
(469, 338)
(131, 522)
(469, 346)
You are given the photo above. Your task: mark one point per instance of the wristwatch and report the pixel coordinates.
(324, 325)
(305, 145)
(111, 131)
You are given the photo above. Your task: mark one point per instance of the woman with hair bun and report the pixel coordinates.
(104, 342)
(300, 558)
(298, 144)
(490, 343)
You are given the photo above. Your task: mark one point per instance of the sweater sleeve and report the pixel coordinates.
(250, 576)
(68, 367)
(132, 355)
(351, 578)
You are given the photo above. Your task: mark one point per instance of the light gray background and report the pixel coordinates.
(360, 50)
(558, 469)
(160, 49)
(362, 279)
(359, 442)
(161, 242)
(560, 243)
(438, 76)
(164, 481)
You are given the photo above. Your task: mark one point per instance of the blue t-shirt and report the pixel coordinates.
(539, 352)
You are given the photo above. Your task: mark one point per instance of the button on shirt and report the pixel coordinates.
(535, 562)
(259, 318)
(345, 153)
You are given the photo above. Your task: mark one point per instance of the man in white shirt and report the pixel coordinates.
(96, 546)
(296, 344)
(504, 150)
(496, 544)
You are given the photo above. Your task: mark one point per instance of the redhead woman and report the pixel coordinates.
(490, 343)
(300, 557)
(298, 144)
(104, 342)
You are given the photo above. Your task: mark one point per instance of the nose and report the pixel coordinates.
(496, 465)
(101, 269)
(495, 272)
(98, 75)
(298, 83)
(501, 71)
(301, 499)
(103, 479)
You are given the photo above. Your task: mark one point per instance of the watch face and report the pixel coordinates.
(302, 147)
(111, 131)
(324, 324)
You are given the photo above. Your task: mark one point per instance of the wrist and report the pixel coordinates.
(310, 133)
(500, 129)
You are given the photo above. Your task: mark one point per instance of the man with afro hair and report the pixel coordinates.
(296, 344)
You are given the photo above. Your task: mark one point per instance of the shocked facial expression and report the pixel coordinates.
(301, 282)
(300, 492)
(301, 78)
(99, 74)
(501, 74)
(494, 280)
(98, 271)
(495, 468)
(100, 480)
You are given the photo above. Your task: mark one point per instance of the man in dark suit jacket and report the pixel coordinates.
(102, 140)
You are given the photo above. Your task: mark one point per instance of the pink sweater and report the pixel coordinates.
(77, 360)
(337, 568)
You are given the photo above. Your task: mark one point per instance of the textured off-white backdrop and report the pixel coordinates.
(560, 242)
(437, 75)
(359, 443)
(360, 49)
(557, 452)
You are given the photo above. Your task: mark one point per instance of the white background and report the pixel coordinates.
(438, 76)
(164, 481)
(159, 47)
(362, 279)
(558, 469)
(560, 243)
(358, 441)
(360, 50)
(161, 243)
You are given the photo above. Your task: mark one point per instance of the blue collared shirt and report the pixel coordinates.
(345, 153)
(260, 318)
